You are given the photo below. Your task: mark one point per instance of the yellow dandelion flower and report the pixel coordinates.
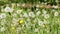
(21, 21)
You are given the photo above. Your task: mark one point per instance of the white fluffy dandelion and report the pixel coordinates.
(46, 16)
(19, 11)
(8, 9)
(40, 23)
(31, 14)
(56, 14)
(2, 15)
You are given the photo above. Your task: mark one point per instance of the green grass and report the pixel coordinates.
(28, 27)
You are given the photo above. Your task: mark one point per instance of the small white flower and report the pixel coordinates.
(31, 14)
(44, 11)
(19, 11)
(2, 15)
(56, 14)
(38, 13)
(40, 23)
(8, 9)
(25, 15)
(2, 29)
(46, 16)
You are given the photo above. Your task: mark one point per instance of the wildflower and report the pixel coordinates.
(21, 21)
(46, 16)
(40, 23)
(44, 11)
(8, 9)
(2, 15)
(2, 29)
(19, 11)
(56, 14)
(31, 14)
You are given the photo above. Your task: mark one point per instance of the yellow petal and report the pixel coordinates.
(21, 21)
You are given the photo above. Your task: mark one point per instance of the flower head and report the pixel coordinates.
(8, 9)
(31, 14)
(2, 15)
(46, 16)
(56, 14)
(19, 11)
(21, 21)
